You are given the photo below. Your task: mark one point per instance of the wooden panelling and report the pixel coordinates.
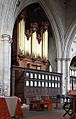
(29, 82)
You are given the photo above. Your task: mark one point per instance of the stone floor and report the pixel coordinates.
(52, 114)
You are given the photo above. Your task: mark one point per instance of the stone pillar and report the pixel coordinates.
(59, 63)
(67, 74)
(63, 75)
(63, 67)
(5, 63)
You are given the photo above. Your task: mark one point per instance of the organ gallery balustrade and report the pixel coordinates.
(31, 82)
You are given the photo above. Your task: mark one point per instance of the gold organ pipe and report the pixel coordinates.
(34, 44)
(27, 45)
(22, 35)
(45, 44)
(39, 49)
(24, 43)
(19, 40)
(18, 37)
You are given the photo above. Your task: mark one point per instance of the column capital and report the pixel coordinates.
(6, 37)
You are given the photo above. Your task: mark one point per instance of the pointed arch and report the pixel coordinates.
(50, 18)
(69, 38)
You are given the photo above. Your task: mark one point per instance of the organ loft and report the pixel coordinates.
(32, 43)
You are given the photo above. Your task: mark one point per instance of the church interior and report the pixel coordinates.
(38, 58)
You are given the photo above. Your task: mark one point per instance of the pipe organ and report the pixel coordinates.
(32, 45)
(34, 39)
(45, 41)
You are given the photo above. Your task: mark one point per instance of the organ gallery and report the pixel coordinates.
(32, 43)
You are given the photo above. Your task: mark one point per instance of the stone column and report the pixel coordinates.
(67, 74)
(5, 63)
(63, 67)
(63, 75)
(59, 63)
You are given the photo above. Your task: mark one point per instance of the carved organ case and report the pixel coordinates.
(32, 43)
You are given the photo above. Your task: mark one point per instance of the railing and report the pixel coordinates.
(38, 83)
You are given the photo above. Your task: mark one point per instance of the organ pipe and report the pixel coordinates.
(34, 44)
(31, 45)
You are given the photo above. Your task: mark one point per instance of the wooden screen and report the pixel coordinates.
(42, 83)
(36, 82)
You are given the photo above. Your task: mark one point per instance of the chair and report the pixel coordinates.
(68, 107)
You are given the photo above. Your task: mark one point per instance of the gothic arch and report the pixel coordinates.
(50, 18)
(69, 38)
(74, 55)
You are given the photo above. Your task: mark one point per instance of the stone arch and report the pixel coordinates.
(69, 38)
(50, 18)
(68, 42)
(74, 55)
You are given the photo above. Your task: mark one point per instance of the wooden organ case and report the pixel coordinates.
(31, 52)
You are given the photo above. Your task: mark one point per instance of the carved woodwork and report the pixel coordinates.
(29, 61)
(35, 79)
